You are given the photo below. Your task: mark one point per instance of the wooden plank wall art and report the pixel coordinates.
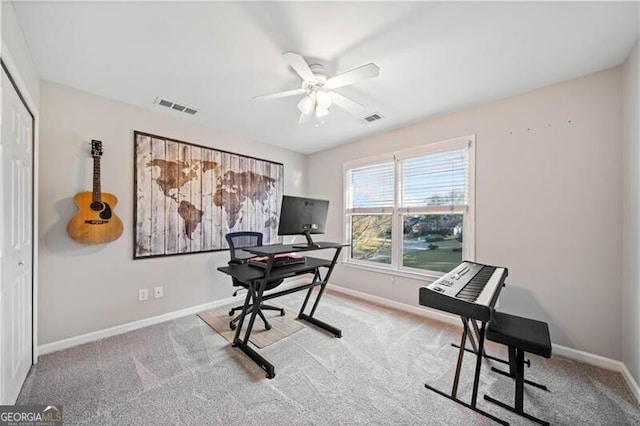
(189, 196)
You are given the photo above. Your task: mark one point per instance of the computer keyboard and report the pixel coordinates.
(278, 261)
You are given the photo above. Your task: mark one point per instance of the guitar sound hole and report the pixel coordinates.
(96, 206)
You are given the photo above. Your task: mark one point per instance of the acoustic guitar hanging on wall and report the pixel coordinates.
(95, 222)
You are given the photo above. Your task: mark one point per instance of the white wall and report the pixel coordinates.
(631, 215)
(89, 288)
(548, 204)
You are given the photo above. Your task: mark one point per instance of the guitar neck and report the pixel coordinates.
(97, 194)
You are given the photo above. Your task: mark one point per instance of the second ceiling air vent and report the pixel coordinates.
(175, 106)
(371, 118)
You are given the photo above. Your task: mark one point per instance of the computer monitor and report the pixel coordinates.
(303, 216)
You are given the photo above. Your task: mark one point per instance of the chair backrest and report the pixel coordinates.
(239, 240)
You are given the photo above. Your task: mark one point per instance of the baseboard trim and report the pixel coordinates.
(421, 311)
(120, 329)
(631, 382)
(586, 357)
(574, 354)
(602, 362)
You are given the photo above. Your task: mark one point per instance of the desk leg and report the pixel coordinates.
(331, 329)
(320, 293)
(318, 279)
(310, 318)
(243, 344)
(257, 358)
(257, 299)
(245, 308)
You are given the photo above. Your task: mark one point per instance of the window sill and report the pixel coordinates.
(421, 276)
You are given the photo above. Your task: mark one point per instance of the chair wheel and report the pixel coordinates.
(267, 326)
(231, 313)
(232, 325)
(281, 312)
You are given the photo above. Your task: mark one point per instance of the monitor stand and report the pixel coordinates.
(310, 243)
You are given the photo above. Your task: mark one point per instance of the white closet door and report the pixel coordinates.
(16, 243)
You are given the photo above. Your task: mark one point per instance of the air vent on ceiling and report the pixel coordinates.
(175, 106)
(371, 118)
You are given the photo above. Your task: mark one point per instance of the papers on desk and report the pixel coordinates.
(283, 259)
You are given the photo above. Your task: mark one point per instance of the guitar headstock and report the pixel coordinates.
(96, 148)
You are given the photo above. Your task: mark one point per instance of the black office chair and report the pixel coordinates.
(237, 241)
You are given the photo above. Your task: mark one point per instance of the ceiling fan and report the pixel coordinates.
(318, 89)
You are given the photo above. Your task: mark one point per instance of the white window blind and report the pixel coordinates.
(412, 210)
(371, 188)
(434, 180)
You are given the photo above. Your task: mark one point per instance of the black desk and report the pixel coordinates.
(257, 279)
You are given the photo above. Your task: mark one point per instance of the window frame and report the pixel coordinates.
(397, 213)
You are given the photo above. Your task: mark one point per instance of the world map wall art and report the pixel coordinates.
(188, 197)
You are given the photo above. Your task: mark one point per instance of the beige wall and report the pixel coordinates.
(88, 288)
(631, 215)
(15, 50)
(548, 204)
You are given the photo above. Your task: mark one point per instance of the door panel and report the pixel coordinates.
(16, 302)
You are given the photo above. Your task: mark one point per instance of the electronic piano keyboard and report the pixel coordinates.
(469, 290)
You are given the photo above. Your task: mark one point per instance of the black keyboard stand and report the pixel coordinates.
(476, 380)
(510, 362)
(257, 278)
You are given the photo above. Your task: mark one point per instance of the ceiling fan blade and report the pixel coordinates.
(280, 94)
(361, 73)
(345, 103)
(300, 66)
(305, 116)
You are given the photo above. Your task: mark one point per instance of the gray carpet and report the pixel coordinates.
(183, 372)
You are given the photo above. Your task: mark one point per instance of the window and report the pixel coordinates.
(412, 210)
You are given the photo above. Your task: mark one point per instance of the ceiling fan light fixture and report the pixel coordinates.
(317, 88)
(321, 112)
(306, 104)
(323, 100)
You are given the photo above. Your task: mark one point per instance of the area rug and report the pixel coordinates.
(282, 326)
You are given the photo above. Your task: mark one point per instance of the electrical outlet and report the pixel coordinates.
(158, 292)
(143, 294)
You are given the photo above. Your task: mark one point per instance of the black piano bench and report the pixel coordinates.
(520, 335)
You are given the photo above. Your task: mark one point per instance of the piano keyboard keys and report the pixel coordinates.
(470, 290)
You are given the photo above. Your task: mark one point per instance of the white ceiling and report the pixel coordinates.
(434, 58)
